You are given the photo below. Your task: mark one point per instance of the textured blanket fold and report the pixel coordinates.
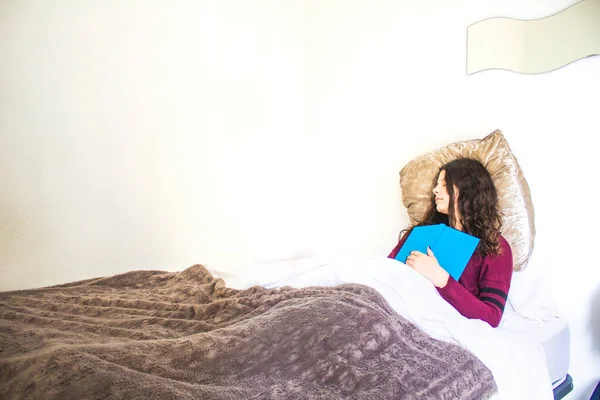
(165, 335)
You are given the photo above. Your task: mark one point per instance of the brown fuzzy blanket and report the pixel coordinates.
(165, 335)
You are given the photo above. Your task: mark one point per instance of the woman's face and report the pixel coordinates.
(442, 199)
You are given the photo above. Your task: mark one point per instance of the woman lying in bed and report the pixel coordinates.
(465, 198)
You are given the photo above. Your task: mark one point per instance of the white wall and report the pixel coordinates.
(156, 135)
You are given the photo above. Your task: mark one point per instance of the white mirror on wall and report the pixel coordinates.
(534, 46)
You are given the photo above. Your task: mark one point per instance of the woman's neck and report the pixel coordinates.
(457, 224)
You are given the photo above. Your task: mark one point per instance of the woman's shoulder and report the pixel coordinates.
(502, 240)
(504, 257)
(504, 244)
(503, 251)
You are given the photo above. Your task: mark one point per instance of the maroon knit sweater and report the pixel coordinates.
(482, 289)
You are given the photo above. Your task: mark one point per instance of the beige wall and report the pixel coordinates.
(156, 135)
(143, 135)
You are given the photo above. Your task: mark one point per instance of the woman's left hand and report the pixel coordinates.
(428, 266)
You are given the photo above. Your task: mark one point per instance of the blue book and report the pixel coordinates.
(452, 248)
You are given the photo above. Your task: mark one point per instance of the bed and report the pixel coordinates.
(308, 328)
(360, 328)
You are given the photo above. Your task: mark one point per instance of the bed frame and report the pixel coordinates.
(564, 388)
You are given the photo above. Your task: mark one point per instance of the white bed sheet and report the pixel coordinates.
(516, 361)
(553, 335)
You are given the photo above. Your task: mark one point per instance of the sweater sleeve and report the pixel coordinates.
(396, 249)
(494, 282)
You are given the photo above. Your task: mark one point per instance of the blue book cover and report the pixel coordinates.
(452, 248)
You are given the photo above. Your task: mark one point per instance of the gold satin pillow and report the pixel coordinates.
(416, 181)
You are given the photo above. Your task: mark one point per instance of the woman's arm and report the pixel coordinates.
(494, 283)
(488, 307)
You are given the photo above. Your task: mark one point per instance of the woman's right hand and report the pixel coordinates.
(428, 266)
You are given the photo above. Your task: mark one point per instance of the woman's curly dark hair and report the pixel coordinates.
(478, 208)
